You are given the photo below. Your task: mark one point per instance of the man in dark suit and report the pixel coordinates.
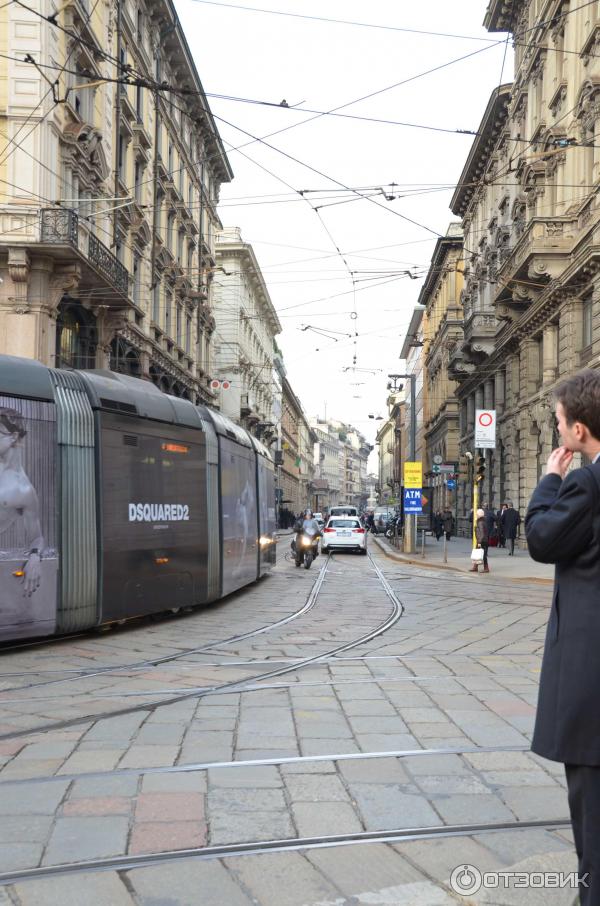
(563, 527)
(510, 525)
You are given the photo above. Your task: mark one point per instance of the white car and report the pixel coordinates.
(344, 532)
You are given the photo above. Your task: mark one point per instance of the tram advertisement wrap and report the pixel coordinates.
(28, 555)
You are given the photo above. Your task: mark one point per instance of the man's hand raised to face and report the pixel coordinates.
(559, 461)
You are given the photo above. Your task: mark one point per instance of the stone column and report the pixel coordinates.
(550, 354)
(512, 376)
(500, 391)
(479, 398)
(29, 299)
(529, 366)
(470, 413)
(569, 334)
(107, 324)
(488, 395)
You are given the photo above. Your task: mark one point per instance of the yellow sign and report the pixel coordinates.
(413, 475)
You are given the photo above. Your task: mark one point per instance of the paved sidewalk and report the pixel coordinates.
(520, 566)
(426, 725)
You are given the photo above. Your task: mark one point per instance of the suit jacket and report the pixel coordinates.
(563, 527)
(510, 522)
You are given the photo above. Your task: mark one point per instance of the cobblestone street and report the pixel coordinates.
(306, 708)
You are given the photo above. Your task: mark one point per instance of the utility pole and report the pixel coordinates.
(410, 521)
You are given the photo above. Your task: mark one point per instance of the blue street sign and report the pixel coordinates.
(413, 500)
(450, 484)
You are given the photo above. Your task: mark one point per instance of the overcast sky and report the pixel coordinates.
(339, 268)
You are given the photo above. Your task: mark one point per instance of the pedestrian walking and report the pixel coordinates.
(562, 528)
(438, 525)
(448, 524)
(481, 535)
(510, 526)
(490, 522)
(501, 537)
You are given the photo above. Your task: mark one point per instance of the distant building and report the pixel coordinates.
(442, 330)
(246, 325)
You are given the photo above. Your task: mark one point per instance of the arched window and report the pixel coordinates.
(76, 336)
(124, 359)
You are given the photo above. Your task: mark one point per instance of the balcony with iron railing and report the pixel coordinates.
(62, 228)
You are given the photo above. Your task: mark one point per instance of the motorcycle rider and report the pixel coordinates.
(306, 525)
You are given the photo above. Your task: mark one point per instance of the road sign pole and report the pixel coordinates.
(475, 498)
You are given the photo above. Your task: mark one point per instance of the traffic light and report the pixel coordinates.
(480, 468)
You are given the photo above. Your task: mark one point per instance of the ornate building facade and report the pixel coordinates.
(108, 194)
(529, 204)
(442, 330)
(245, 331)
(297, 441)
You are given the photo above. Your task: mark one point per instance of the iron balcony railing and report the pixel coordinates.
(61, 225)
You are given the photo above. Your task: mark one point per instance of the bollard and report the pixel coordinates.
(445, 548)
(423, 543)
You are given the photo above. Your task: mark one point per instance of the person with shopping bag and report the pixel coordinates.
(479, 553)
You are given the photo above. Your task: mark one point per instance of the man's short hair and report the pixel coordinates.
(12, 422)
(579, 396)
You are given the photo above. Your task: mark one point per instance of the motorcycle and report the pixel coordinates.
(306, 548)
(393, 527)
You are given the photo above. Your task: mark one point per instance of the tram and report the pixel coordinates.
(118, 500)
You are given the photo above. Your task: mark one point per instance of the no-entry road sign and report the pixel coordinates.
(485, 428)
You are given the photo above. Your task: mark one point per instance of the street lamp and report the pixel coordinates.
(413, 421)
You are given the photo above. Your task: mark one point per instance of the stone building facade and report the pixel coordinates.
(297, 442)
(530, 212)
(442, 329)
(328, 461)
(246, 325)
(413, 354)
(389, 440)
(108, 194)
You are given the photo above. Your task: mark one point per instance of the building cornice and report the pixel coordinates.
(491, 125)
(176, 48)
(444, 245)
(501, 15)
(413, 329)
(245, 252)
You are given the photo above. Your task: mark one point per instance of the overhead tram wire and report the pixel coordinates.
(424, 32)
(325, 175)
(371, 94)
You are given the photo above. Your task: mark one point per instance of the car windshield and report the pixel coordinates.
(344, 523)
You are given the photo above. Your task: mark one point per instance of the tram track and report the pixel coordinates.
(193, 665)
(288, 844)
(235, 685)
(157, 662)
(334, 757)
(383, 679)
